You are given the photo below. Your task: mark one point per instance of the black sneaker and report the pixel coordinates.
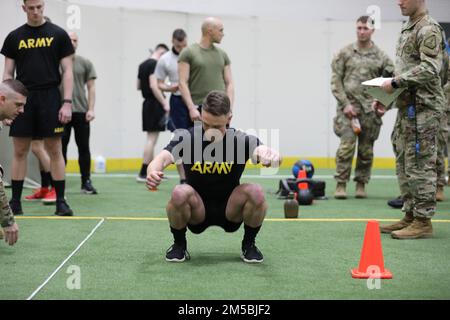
(63, 209)
(177, 253)
(87, 188)
(16, 207)
(396, 203)
(251, 254)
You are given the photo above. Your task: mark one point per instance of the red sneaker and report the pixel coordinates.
(38, 194)
(50, 197)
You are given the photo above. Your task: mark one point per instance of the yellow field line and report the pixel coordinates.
(58, 218)
(165, 219)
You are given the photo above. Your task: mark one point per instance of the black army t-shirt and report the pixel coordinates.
(146, 69)
(213, 169)
(37, 52)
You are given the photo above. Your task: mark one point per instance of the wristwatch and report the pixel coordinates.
(394, 83)
(67, 101)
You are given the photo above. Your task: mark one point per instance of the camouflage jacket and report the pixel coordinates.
(419, 61)
(350, 67)
(447, 90)
(6, 215)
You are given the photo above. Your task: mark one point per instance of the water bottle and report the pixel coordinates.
(291, 207)
(100, 164)
(356, 126)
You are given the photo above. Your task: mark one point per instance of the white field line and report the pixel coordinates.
(65, 261)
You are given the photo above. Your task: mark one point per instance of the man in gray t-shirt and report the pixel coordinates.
(82, 114)
(167, 69)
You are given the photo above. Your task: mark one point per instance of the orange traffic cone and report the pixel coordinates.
(302, 175)
(305, 196)
(371, 264)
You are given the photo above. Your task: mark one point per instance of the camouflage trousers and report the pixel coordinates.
(6, 216)
(417, 171)
(370, 130)
(443, 137)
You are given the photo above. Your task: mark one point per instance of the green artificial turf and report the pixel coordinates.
(303, 259)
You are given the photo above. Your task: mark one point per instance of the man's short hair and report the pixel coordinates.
(366, 19)
(16, 86)
(161, 46)
(217, 103)
(179, 35)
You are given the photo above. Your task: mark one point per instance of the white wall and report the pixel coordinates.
(297, 9)
(280, 63)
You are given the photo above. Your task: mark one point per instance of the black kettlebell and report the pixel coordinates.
(305, 197)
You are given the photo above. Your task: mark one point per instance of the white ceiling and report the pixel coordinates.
(297, 9)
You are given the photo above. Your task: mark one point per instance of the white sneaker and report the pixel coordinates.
(142, 179)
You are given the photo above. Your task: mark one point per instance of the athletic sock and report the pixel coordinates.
(250, 235)
(46, 179)
(60, 188)
(50, 180)
(17, 187)
(84, 179)
(143, 172)
(179, 236)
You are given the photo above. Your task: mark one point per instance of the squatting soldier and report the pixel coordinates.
(12, 100)
(354, 64)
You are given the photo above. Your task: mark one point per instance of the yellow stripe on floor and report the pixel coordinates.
(165, 219)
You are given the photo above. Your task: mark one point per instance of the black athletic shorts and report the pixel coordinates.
(40, 118)
(179, 114)
(153, 116)
(215, 216)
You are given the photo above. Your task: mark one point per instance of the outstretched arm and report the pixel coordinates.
(268, 157)
(156, 167)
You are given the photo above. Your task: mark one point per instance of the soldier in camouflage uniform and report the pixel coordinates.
(354, 64)
(12, 101)
(442, 144)
(440, 161)
(447, 93)
(6, 216)
(443, 138)
(419, 68)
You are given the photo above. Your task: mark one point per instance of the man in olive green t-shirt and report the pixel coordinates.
(203, 67)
